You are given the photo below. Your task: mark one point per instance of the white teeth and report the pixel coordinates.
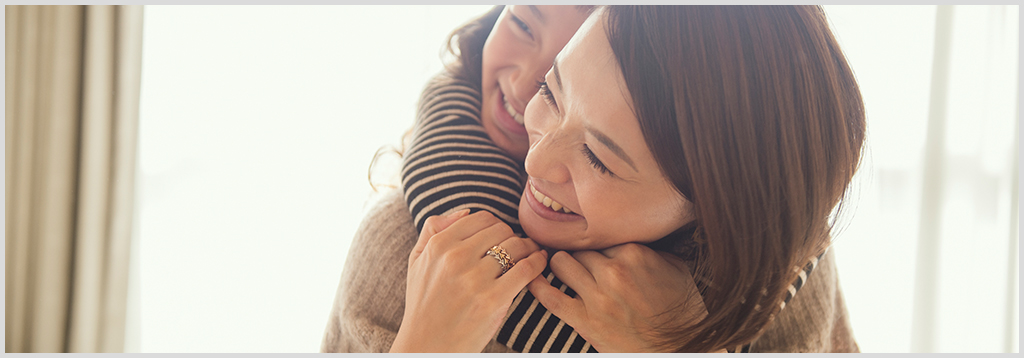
(554, 205)
(512, 111)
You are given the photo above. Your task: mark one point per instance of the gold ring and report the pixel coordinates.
(504, 259)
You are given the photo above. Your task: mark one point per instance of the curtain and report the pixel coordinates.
(929, 258)
(72, 94)
(970, 153)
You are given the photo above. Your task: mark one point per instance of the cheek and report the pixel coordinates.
(642, 217)
(668, 214)
(498, 48)
(532, 118)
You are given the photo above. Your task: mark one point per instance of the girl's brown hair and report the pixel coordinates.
(466, 43)
(755, 116)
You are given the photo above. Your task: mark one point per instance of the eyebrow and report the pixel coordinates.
(537, 13)
(558, 77)
(611, 146)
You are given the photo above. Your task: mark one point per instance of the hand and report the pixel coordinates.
(456, 296)
(623, 293)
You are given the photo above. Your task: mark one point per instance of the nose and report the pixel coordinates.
(547, 157)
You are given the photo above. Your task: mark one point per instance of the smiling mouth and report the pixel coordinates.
(543, 199)
(512, 111)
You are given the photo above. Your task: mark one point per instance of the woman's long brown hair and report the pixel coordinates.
(755, 116)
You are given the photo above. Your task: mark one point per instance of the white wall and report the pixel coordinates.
(257, 128)
(258, 125)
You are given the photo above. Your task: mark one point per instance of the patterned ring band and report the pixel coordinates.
(504, 259)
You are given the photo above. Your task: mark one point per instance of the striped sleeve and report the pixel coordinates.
(452, 164)
(802, 274)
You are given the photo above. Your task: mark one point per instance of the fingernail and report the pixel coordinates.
(459, 214)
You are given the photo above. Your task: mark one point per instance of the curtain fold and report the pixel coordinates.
(72, 95)
(925, 280)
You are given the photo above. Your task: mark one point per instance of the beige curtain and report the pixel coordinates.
(72, 94)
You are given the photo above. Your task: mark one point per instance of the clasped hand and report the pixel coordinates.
(456, 296)
(625, 294)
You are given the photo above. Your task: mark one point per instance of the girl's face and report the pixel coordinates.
(518, 52)
(588, 155)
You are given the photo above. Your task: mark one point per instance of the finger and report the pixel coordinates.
(572, 273)
(591, 260)
(517, 248)
(492, 235)
(434, 225)
(569, 310)
(631, 251)
(525, 270)
(674, 260)
(635, 255)
(468, 226)
(612, 251)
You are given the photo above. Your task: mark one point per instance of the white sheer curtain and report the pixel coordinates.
(258, 123)
(929, 259)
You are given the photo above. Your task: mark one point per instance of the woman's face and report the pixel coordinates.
(588, 154)
(518, 52)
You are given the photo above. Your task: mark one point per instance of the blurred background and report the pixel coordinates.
(200, 170)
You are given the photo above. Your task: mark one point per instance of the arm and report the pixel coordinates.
(455, 298)
(814, 320)
(370, 299)
(452, 163)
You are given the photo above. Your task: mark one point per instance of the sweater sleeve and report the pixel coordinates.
(370, 299)
(452, 164)
(813, 321)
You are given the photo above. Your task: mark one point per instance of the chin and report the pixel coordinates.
(542, 232)
(543, 240)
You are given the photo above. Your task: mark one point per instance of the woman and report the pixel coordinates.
(744, 124)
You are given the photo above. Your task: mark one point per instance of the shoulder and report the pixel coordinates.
(446, 92)
(388, 215)
(444, 82)
(370, 298)
(815, 320)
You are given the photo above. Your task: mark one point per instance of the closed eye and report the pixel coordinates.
(521, 24)
(546, 94)
(597, 163)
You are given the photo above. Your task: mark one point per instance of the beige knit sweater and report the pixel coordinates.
(370, 300)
